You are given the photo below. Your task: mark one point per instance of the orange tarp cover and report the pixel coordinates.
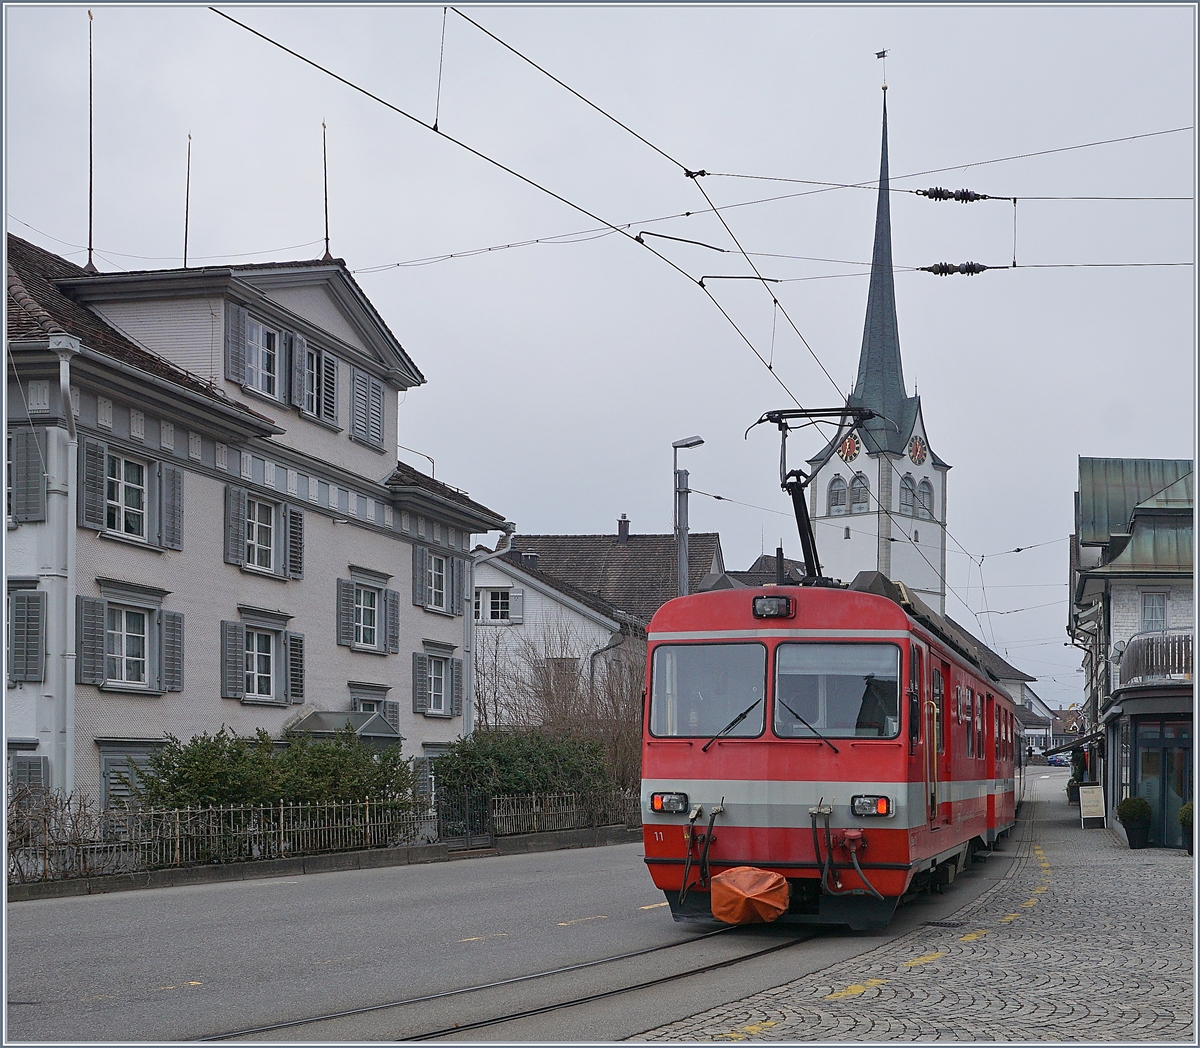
(747, 895)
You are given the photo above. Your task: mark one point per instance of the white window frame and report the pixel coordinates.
(924, 511)
(908, 486)
(254, 527)
(313, 381)
(437, 674)
(858, 483)
(116, 508)
(490, 599)
(1142, 595)
(837, 509)
(274, 637)
(259, 377)
(117, 664)
(436, 581)
(361, 613)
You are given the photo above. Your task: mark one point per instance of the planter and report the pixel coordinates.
(1072, 792)
(1138, 833)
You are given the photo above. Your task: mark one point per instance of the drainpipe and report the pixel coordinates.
(615, 643)
(66, 347)
(469, 627)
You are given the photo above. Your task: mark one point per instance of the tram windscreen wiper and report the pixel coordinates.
(806, 724)
(732, 724)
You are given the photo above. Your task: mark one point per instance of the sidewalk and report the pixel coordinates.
(1083, 940)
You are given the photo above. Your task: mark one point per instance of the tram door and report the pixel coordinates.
(935, 741)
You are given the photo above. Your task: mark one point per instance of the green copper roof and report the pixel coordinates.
(1110, 490)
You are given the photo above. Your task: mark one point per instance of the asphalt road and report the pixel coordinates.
(190, 962)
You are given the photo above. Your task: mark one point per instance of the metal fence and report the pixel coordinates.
(51, 837)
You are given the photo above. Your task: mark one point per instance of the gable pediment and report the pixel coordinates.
(317, 305)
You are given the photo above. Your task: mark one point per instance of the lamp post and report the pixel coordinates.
(681, 510)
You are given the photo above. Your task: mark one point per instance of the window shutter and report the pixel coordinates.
(424, 784)
(27, 636)
(171, 515)
(516, 605)
(456, 674)
(91, 483)
(29, 475)
(172, 651)
(233, 660)
(391, 600)
(89, 640)
(329, 374)
(345, 611)
(294, 643)
(235, 343)
(31, 771)
(420, 575)
(391, 714)
(420, 677)
(299, 368)
(295, 541)
(235, 525)
(359, 403)
(375, 413)
(456, 583)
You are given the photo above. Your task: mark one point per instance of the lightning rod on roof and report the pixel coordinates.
(91, 266)
(187, 199)
(325, 167)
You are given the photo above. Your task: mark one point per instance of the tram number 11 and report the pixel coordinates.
(658, 835)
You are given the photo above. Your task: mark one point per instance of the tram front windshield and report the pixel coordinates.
(840, 690)
(697, 690)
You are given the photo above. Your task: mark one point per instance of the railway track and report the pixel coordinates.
(802, 935)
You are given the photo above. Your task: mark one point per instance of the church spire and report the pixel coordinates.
(880, 383)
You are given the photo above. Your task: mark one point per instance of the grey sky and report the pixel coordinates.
(559, 374)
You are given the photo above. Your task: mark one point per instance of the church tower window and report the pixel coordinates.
(908, 495)
(859, 491)
(925, 500)
(837, 497)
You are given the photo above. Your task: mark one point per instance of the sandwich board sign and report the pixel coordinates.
(1091, 807)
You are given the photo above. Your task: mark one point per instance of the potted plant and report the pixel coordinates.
(1072, 791)
(1134, 814)
(1185, 820)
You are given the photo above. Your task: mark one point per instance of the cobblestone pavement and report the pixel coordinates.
(1082, 940)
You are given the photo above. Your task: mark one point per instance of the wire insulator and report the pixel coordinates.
(967, 196)
(945, 269)
(963, 196)
(936, 193)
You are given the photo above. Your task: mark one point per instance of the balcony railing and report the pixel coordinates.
(1160, 656)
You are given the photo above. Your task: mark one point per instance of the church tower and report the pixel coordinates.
(878, 493)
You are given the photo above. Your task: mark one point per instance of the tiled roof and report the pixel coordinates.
(590, 600)
(637, 576)
(36, 307)
(406, 476)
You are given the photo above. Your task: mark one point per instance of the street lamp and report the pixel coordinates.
(681, 510)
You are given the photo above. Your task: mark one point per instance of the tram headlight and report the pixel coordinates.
(871, 804)
(773, 607)
(669, 803)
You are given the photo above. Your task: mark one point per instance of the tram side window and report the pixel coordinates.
(697, 690)
(840, 690)
(939, 701)
(970, 724)
(914, 697)
(996, 729)
(979, 727)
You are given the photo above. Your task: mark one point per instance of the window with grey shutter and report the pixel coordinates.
(456, 689)
(294, 643)
(171, 514)
(91, 483)
(235, 525)
(298, 346)
(27, 635)
(233, 660)
(460, 582)
(392, 613)
(172, 651)
(329, 375)
(33, 772)
(375, 413)
(424, 785)
(359, 403)
(420, 575)
(420, 682)
(391, 713)
(295, 543)
(235, 343)
(89, 640)
(516, 605)
(345, 612)
(29, 475)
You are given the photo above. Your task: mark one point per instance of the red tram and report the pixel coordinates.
(847, 739)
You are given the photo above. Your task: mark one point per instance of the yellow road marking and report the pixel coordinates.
(654, 906)
(972, 936)
(925, 958)
(480, 938)
(100, 997)
(1030, 902)
(1038, 891)
(580, 920)
(855, 989)
(738, 1035)
(193, 984)
(1009, 917)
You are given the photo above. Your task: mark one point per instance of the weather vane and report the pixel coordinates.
(883, 55)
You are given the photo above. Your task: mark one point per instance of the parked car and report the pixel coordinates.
(1059, 760)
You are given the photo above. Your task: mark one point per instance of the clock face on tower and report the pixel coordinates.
(849, 448)
(917, 450)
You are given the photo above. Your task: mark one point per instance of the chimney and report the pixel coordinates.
(530, 560)
(623, 531)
